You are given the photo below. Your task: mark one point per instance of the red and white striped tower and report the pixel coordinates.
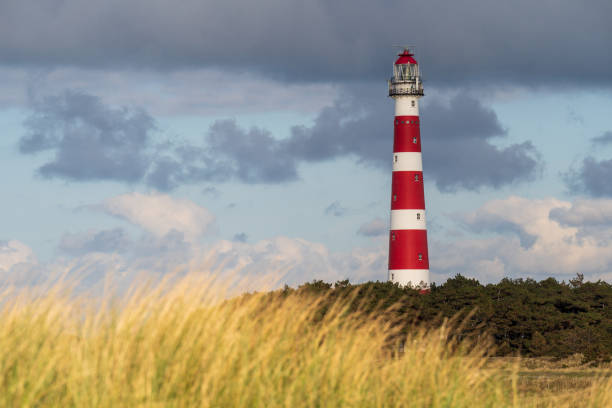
(408, 259)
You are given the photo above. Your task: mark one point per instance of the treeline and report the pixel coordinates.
(521, 316)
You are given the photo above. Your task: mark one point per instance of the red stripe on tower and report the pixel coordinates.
(408, 256)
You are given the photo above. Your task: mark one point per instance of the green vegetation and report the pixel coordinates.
(186, 344)
(534, 319)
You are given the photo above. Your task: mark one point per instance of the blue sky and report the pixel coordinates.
(142, 137)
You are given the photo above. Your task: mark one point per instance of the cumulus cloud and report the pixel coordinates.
(475, 40)
(458, 151)
(266, 264)
(374, 228)
(529, 237)
(458, 147)
(161, 214)
(592, 218)
(90, 140)
(109, 241)
(229, 152)
(93, 141)
(603, 140)
(583, 213)
(593, 177)
(14, 253)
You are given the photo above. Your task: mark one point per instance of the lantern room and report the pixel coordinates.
(406, 78)
(406, 68)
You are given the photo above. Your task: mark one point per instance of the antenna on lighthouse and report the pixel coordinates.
(408, 47)
(405, 46)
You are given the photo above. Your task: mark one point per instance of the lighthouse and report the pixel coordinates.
(408, 258)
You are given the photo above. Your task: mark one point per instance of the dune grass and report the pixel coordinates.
(182, 344)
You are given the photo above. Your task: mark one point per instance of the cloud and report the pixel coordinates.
(584, 213)
(462, 41)
(335, 209)
(457, 145)
(161, 214)
(458, 152)
(374, 228)
(13, 253)
(501, 217)
(603, 140)
(250, 156)
(561, 242)
(90, 140)
(592, 218)
(108, 241)
(457, 141)
(593, 177)
(263, 265)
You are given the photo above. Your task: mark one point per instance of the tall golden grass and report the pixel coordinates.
(182, 344)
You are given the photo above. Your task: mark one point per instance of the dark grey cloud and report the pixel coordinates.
(523, 42)
(603, 140)
(352, 126)
(374, 228)
(336, 209)
(593, 177)
(458, 151)
(457, 145)
(90, 140)
(228, 152)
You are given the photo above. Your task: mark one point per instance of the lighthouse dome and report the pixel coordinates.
(405, 58)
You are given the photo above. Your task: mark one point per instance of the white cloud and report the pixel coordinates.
(13, 253)
(161, 214)
(583, 213)
(554, 248)
(264, 265)
(294, 260)
(513, 237)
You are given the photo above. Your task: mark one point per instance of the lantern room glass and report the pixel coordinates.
(405, 72)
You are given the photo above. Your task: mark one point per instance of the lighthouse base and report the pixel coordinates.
(416, 278)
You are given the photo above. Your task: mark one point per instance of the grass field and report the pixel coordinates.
(185, 344)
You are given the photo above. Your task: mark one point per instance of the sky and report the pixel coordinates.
(255, 138)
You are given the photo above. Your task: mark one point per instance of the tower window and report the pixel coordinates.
(416, 177)
(420, 257)
(394, 197)
(418, 216)
(412, 103)
(395, 158)
(414, 140)
(392, 276)
(393, 236)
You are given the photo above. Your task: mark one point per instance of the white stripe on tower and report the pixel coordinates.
(407, 161)
(408, 255)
